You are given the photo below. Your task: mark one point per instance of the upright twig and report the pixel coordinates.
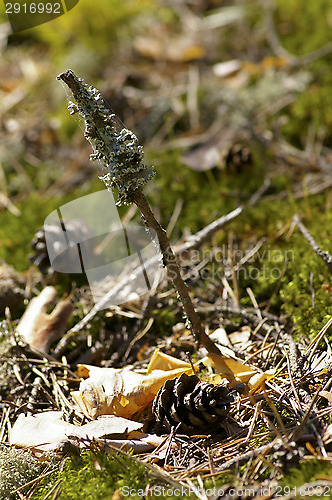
(326, 256)
(119, 150)
(193, 242)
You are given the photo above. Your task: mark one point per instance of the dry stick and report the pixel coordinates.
(192, 243)
(327, 258)
(121, 153)
(174, 272)
(244, 457)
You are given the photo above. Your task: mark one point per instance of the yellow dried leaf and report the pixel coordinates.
(161, 361)
(124, 401)
(82, 371)
(233, 370)
(257, 381)
(120, 392)
(193, 52)
(241, 371)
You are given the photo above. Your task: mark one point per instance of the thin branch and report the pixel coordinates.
(119, 150)
(326, 256)
(174, 273)
(192, 243)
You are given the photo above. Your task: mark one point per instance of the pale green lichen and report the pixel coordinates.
(17, 468)
(114, 145)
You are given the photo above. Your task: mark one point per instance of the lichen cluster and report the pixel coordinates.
(17, 468)
(114, 145)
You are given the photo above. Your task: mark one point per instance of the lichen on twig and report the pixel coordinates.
(114, 145)
(119, 150)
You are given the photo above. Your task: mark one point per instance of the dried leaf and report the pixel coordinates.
(236, 372)
(161, 46)
(213, 151)
(220, 335)
(327, 434)
(233, 370)
(241, 338)
(193, 52)
(327, 395)
(120, 392)
(227, 68)
(266, 64)
(40, 329)
(47, 431)
(257, 381)
(162, 361)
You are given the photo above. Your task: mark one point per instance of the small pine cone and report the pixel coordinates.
(238, 159)
(192, 403)
(40, 257)
(76, 230)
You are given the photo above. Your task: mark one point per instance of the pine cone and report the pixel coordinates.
(40, 257)
(192, 403)
(238, 159)
(76, 230)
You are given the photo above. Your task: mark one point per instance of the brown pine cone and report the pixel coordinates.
(74, 230)
(40, 257)
(190, 404)
(238, 159)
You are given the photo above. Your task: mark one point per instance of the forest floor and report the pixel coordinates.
(231, 101)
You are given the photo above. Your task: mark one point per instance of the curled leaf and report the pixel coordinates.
(162, 361)
(327, 395)
(48, 432)
(120, 392)
(257, 381)
(235, 371)
(40, 329)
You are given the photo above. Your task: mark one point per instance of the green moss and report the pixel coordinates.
(95, 476)
(205, 195)
(285, 274)
(17, 231)
(312, 112)
(307, 472)
(86, 26)
(287, 265)
(304, 297)
(303, 28)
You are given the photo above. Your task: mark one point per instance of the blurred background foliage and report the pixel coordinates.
(223, 95)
